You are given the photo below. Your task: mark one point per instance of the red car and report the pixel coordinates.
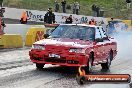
(75, 45)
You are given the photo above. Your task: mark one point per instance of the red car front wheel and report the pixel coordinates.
(89, 68)
(39, 66)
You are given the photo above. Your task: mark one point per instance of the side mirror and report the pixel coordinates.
(99, 40)
(46, 36)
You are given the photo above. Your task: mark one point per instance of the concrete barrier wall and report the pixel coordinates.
(34, 34)
(11, 41)
(19, 34)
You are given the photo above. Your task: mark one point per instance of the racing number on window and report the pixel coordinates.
(102, 33)
(98, 34)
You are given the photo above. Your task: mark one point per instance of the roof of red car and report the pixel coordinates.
(82, 25)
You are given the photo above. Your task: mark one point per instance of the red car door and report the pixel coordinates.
(98, 47)
(106, 45)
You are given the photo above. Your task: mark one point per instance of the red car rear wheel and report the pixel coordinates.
(106, 65)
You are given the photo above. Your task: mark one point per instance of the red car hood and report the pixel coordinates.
(65, 42)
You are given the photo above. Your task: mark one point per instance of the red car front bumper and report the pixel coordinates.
(66, 59)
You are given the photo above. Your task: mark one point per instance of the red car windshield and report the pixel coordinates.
(74, 32)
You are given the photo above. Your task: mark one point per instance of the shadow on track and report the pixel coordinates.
(70, 71)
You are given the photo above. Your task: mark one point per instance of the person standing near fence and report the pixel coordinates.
(74, 8)
(24, 17)
(77, 7)
(1, 3)
(63, 6)
(98, 11)
(92, 22)
(56, 6)
(2, 23)
(94, 13)
(128, 4)
(69, 20)
(49, 17)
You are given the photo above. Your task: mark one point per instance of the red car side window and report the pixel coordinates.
(98, 34)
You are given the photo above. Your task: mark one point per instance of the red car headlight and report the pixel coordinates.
(39, 47)
(75, 50)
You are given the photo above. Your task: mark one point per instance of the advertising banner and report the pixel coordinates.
(38, 16)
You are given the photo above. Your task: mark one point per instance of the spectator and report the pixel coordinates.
(2, 10)
(92, 22)
(2, 25)
(63, 6)
(56, 6)
(74, 8)
(1, 3)
(98, 11)
(24, 17)
(69, 20)
(77, 7)
(94, 10)
(49, 17)
(128, 4)
(112, 19)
